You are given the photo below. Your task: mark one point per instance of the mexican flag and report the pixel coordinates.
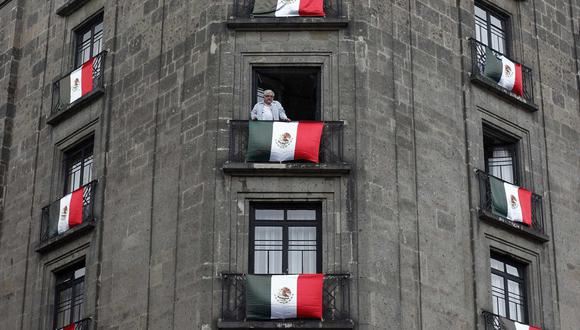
(512, 325)
(504, 72)
(511, 202)
(285, 8)
(284, 296)
(273, 141)
(71, 210)
(69, 327)
(78, 83)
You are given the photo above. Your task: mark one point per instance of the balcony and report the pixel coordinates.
(496, 322)
(84, 324)
(330, 156)
(51, 236)
(486, 213)
(336, 305)
(242, 18)
(62, 107)
(478, 60)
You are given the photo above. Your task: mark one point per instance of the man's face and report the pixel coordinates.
(268, 99)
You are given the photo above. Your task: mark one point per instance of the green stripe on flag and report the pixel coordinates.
(493, 66)
(259, 141)
(499, 202)
(258, 297)
(265, 8)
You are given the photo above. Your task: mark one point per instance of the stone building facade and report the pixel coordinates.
(171, 210)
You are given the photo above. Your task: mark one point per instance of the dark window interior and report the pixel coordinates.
(78, 166)
(296, 88)
(285, 238)
(492, 28)
(508, 288)
(69, 296)
(89, 40)
(501, 155)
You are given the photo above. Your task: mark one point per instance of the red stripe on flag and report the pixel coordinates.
(308, 137)
(309, 296)
(311, 8)
(526, 205)
(87, 76)
(534, 328)
(76, 208)
(69, 327)
(518, 85)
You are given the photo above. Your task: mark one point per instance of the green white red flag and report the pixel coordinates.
(512, 325)
(510, 201)
(284, 296)
(71, 210)
(78, 83)
(273, 141)
(287, 8)
(504, 72)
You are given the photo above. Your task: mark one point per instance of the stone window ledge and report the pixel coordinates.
(287, 24)
(70, 7)
(61, 115)
(512, 226)
(485, 83)
(283, 324)
(69, 235)
(286, 169)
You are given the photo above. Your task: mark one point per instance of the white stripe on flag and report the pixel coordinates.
(283, 141)
(287, 8)
(520, 326)
(508, 74)
(64, 213)
(513, 205)
(76, 82)
(283, 296)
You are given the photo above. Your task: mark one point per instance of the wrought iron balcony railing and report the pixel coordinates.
(51, 213)
(336, 299)
(486, 207)
(83, 324)
(244, 8)
(61, 99)
(496, 322)
(330, 143)
(478, 59)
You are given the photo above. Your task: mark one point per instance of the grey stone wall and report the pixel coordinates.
(403, 222)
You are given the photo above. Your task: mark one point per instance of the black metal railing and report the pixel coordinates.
(83, 324)
(485, 204)
(50, 213)
(336, 297)
(497, 322)
(330, 142)
(478, 58)
(244, 8)
(59, 104)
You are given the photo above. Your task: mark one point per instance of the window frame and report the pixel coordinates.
(78, 32)
(285, 224)
(316, 69)
(71, 283)
(522, 281)
(510, 142)
(499, 14)
(69, 155)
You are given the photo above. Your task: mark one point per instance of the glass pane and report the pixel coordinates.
(501, 164)
(301, 214)
(269, 214)
(268, 250)
(302, 250)
(275, 262)
(512, 270)
(480, 13)
(498, 295)
(88, 170)
(496, 264)
(79, 272)
(260, 262)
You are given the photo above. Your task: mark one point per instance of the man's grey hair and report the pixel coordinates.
(269, 91)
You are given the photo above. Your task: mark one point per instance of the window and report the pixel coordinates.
(89, 40)
(491, 28)
(296, 88)
(69, 296)
(508, 288)
(500, 152)
(78, 166)
(285, 238)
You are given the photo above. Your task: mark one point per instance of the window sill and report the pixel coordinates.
(512, 226)
(286, 169)
(287, 24)
(486, 83)
(69, 235)
(70, 7)
(283, 324)
(75, 107)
